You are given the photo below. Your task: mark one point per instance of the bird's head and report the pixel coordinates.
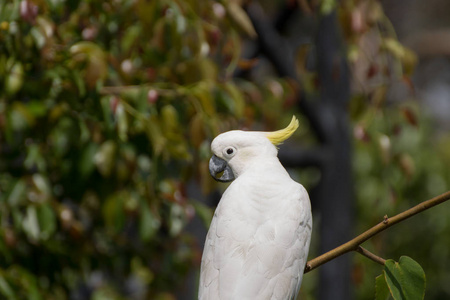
(235, 150)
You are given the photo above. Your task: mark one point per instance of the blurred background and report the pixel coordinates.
(108, 108)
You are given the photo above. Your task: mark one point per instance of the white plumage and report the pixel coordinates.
(258, 241)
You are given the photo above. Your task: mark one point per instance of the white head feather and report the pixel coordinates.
(241, 148)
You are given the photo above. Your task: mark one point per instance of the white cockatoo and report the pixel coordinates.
(258, 241)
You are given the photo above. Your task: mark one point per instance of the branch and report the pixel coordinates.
(163, 90)
(354, 244)
(276, 48)
(370, 255)
(280, 53)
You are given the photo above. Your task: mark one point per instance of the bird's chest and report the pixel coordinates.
(254, 204)
(256, 215)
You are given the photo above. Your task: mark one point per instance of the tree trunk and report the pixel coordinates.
(335, 190)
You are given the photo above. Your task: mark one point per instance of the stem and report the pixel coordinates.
(162, 89)
(370, 255)
(355, 243)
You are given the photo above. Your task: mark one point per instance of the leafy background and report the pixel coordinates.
(107, 109)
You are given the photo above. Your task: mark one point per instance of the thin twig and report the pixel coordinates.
(353, 244)
(117, 90)
(370, 255)
(114, 90)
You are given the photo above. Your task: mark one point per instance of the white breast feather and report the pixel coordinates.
(258, 241)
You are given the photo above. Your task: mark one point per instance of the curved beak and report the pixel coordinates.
(218, 165)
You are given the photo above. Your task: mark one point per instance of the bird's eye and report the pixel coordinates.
(230, 151)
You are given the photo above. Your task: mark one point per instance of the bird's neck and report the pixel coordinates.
(265, 167)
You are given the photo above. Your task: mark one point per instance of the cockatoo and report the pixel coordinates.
(258, 241)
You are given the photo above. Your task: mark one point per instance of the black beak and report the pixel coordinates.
(218, 165)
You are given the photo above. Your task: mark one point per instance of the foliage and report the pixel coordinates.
(395, 167)
(106, 110)
(402, 280)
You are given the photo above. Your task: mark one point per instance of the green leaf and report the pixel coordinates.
(177, 219)
(38, 36)
(327, 7)
(34, 158)
(155, 135)
(86, 163)
(113, 211)
(381, 288)
(42, 186)
(105, 292)
(405, 279)
(5, 289)
(107, 112)
(130, 37)
(20, 117)
(141, 271)
(28, 282)
(31, 224)
(37, 108)
(169, 118)
(17, 194)
(240, 17)
(122, 122)
(203, 93)
(149, 223)
(47, 220)
(104, 159)
(14, 81)
(92, 56)
(237, 99)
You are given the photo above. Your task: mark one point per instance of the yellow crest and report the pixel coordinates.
(279, 136)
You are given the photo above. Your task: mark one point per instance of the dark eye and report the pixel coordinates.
(230, 151)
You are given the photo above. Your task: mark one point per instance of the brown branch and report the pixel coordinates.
(115, 90)
(355, 243)
(370, 255)
(166, 90)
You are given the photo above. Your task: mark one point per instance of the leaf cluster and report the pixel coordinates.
(107, 109)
